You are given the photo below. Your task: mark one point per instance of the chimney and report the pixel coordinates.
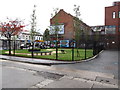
(61, 10)
(116, 3)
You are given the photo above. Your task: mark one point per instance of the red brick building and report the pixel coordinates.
(67, 21)
(112, 25)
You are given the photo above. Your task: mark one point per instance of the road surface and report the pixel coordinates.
(107, 62)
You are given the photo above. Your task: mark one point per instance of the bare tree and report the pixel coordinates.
(33, 28)
(55, 31)
(77, 27)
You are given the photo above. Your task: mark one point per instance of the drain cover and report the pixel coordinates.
(107, 80)
(49, 75)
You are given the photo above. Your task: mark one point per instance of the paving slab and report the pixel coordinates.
(114, 87)
(44, 83)
(107, 80)
(0, 77)
(83, 73)
(18, 78)
(67, 83)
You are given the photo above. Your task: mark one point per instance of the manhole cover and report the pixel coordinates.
(49, 75)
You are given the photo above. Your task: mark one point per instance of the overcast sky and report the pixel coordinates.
(92, 11)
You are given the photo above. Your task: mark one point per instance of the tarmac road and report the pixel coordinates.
(107, 62)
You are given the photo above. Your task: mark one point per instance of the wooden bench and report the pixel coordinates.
(30, 50)
(41, 52)
(62, 51)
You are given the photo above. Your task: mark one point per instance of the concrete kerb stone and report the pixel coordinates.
(41, 63)
(25, 61)
(51, 63)
(89, 58)
(73, 62)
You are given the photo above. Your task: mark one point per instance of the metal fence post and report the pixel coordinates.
(73, 53)
(85, 49)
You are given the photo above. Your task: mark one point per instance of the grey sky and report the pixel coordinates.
(92, 11)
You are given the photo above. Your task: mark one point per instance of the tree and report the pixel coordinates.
(33, 28)
(46, 35)
(77, 10)
(77, 26)
(11, 28)
(56, 29)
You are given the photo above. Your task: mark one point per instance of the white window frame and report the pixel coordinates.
(114, 14)
(119, 14)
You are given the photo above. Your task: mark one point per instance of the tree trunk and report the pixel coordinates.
(9, 41)
(56, 49)
(14, 47)
(32, 49)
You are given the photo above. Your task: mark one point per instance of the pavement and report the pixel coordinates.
(42, 61)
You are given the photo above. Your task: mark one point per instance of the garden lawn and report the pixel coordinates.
(61, 56)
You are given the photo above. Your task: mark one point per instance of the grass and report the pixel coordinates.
(67, 56)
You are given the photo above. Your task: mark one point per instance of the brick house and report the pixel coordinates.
(68, 22)
(112, 25)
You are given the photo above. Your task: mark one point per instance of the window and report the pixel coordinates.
(60, 27)
(26, 37)
(110, 29)
(29, 37)
(119, 14)
(119, 28)
(113, 14)
(23, 36)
